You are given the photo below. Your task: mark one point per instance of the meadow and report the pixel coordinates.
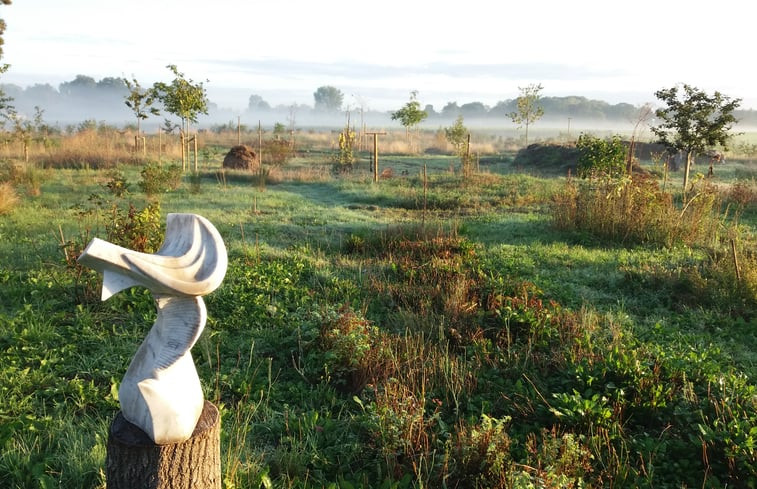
(506, 327)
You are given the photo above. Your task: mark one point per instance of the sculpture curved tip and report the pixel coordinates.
(191, 262)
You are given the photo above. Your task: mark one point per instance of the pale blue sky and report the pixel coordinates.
(377, 52)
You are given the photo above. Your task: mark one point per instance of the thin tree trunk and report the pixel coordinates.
(689, 157)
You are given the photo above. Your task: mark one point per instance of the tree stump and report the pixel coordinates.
(135, 461)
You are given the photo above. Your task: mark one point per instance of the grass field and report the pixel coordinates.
(438, 332)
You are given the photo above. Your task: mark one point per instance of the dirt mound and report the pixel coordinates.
(647, 151)
(548, 158)
(241, 157)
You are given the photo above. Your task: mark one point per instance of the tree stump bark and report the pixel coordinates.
(134, 461)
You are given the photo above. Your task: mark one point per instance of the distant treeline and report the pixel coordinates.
(84, 98)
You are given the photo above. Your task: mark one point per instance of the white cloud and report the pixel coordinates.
(478, 50)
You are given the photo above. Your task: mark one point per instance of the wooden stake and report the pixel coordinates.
(183, 152)
(425, 195)
(467, 157)
(375, 154)
(195, 140)
(735, 260)
(260, 145)
(160, 145)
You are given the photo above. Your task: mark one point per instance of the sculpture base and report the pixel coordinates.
(134, 460)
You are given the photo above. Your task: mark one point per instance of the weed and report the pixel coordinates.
(354, 351)
(481, 454)
(117, 184)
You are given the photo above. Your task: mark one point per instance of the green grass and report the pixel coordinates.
(383, 335)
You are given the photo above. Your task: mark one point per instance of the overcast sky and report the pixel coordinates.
(377, 52)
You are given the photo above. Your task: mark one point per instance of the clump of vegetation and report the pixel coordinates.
(635, 210)
(8, 198)
(549, 159)
(135, 229)
(277, 152)
(157, 179)
(600, 157)
(345, 158)
(117, 184)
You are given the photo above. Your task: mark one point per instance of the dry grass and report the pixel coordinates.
(303, 174)
(638, 211)
(8, 198)
(98, 149)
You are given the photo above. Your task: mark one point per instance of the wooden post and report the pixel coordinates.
(735, 260)
(134, 460)
(467, 158)
(183, 152)
(425, 195)
(239, 130)
(260, 144)
(195, 140)
(375, 154)
(375, 157)
(160, 145)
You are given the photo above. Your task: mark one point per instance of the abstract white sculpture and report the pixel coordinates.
(161, 392)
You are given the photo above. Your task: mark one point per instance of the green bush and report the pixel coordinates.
(600, 156)
(139, 230)
(157, 179)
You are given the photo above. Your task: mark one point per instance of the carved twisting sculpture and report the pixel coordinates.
(161, 391)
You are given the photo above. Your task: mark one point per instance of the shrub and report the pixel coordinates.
(157, 179)
(600, 156)
(138, 230)
(117, 183)
(353, 349)
(277, 152)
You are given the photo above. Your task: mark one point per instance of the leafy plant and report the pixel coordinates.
(117, 183)
(157, 179)
(600, 157)
(135, 229)
(140, 101)
(481, 454)
(346, 155)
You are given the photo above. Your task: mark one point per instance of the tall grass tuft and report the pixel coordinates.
(8, 198)
(635, 210)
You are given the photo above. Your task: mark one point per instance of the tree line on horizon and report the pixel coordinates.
(85, 98)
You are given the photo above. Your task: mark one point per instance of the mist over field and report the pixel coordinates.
(84, 98)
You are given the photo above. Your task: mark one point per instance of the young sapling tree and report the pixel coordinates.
(140, 101)
(693, 121)
(410, 115)
(185, 99)
(529, 109)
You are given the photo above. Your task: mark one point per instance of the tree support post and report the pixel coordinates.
(375, 154)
